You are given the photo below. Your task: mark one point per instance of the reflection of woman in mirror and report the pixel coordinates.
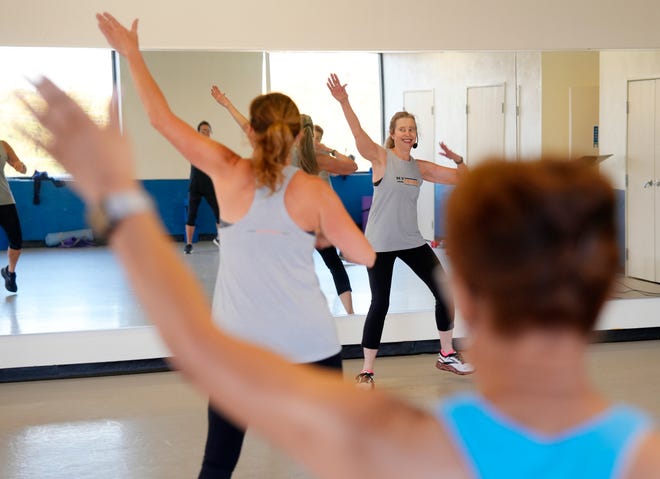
(316, 159)
(200, 187)
(9, 215)
(393, 231)
(535, 414)
(267, 291)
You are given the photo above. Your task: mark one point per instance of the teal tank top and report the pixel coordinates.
(496, 447)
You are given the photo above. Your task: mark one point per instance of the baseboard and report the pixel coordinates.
(351, 351)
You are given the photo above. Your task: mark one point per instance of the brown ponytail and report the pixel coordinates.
(275, 120)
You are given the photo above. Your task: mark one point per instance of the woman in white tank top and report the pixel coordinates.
(530, 298)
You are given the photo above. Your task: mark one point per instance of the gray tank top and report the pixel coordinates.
(6, 198)
(392, 223)
(267, 291)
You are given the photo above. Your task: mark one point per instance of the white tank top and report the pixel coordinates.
(267, 291)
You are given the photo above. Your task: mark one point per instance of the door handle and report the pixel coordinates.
(656, 183)
(648, 184)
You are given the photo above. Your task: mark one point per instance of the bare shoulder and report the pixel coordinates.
(406, 441)
(303, 184)
(646, 463)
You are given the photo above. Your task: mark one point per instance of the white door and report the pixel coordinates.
(640, 190)
(420, 104)
(485, 124)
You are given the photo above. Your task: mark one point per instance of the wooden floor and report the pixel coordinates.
(152, 426)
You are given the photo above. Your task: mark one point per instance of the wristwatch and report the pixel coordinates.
(106, 215)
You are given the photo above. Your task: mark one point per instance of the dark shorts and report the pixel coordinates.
(11, 224)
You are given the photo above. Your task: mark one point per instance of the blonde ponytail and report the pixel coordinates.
(307, 155)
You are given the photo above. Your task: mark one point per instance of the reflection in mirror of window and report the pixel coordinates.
(84, 73)
(303, 76)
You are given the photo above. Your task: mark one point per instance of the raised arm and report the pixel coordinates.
(441, 174)
(332, 428)
(13, 160)
(339, 229)
(206, 154)
(332, 161)
(222, 99)
(370, 150)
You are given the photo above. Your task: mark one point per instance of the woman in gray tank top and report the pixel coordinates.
(267, 292)
(9, 220)
(314, 158)
(393, 231)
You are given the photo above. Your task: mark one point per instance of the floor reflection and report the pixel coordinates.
(82, 289)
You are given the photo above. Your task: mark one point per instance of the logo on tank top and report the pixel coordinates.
(268, 231)
(407, 181)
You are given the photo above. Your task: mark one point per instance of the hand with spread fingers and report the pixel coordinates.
(220, 97)
(100, 159)
(337, 90)
(448, 153)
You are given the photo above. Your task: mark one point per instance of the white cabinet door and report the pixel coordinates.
(485, 124)
(640, 192)
(420, 104)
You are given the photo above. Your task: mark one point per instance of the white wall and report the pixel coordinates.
(449, 74)
(376, 25)
(616, 69)
(186, 79)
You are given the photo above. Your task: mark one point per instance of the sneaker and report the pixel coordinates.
(187, 249)
(454, 363)
(365, 380)
(216, 241)
(10, 280)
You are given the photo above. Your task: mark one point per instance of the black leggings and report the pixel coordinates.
(336, 267)
(11, 224)
(424, 264)
(225, 440)
(195, 198)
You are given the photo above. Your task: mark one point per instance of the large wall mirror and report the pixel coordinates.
(515, 105)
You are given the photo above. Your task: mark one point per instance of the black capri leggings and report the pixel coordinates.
(423, 262)
(336, 267)
(225, 440)
(11, 224)
(195, 198)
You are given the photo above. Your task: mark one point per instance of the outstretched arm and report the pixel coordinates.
(441, 174)
(332, 428)
(204, 153)
(13, 160)
(370, 150)
(222, 99)
(332, 161)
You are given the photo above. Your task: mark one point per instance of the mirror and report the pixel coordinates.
(537, 90)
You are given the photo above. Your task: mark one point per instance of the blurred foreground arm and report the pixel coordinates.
(335, 430)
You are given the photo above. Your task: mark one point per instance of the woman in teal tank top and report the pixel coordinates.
(534, 255)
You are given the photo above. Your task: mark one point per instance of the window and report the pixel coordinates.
(84, 73)
(303, 77)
